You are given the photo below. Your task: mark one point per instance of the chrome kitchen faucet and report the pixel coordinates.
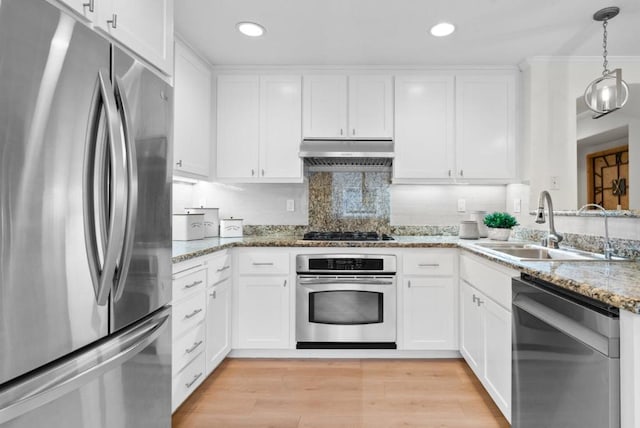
(553, 238)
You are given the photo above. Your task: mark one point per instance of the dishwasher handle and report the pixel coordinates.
(609, 347)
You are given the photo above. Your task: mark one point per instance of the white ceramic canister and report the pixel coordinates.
(231, 228)
(468, 230)
(478, 217)
(187, 227)
(211, 220)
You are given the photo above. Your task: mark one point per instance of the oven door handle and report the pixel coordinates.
(354, 281)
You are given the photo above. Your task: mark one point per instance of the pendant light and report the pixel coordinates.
(608, 92)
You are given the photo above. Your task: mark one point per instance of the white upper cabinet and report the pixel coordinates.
(280, 126)
(347, 107)
(259, 128)
(325, 106)
(485, 126)
(455, 128)
(370, 107)
(144, 26)
(424, 127)
(192, 113)
(238, 126)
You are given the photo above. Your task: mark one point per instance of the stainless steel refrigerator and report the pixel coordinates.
(85, 235)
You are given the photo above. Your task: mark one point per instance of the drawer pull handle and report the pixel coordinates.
(193, 284)
(263, 263)
(222, 269)
(428, 264)
(195, 378)
(477, 300)
(192, 314)
(194, 347)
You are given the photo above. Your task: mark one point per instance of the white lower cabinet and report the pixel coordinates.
(218, 323)
(263, 299)
(201, 321)
(485, 325)
(430, 310)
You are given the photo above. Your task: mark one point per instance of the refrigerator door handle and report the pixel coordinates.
(132, 188)
(73, 372)
(104, 189)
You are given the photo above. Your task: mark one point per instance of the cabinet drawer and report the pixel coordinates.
(186, 347)
(429, 263)
(188, 313)
(264, 263)
(189, 281)
(185, 382)
(219, 268)
(495, 283)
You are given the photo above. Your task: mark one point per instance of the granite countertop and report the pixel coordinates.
(615, 283)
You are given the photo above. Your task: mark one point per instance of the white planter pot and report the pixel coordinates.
(499, 234)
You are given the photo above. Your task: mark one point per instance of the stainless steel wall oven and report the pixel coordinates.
(346, 301)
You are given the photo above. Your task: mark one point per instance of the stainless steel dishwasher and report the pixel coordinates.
(565, 358)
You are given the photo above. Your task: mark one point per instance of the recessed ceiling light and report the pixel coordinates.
(442, 29)
(251, 29)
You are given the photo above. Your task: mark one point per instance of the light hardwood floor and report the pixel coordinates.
(283, 393)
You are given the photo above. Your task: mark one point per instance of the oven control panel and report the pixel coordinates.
(348, 263)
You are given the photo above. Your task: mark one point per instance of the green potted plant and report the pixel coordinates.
(500, 225)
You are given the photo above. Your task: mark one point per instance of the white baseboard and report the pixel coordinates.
(340, 353)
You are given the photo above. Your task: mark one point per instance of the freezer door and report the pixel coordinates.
(145, 104)
(49, 85)
(122, 382)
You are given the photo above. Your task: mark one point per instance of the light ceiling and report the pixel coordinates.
(396, 32)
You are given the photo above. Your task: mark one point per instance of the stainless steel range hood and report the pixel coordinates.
(354, 155)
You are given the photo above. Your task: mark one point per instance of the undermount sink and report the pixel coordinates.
(531, 252)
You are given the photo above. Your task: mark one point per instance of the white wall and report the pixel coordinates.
(551, 87)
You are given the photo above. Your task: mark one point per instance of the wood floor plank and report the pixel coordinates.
(322, 393)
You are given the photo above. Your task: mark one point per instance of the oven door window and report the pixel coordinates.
(346, 307)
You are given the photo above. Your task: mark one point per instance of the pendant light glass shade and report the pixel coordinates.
(607, 93)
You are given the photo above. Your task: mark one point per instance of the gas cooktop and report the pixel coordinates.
(346, 236)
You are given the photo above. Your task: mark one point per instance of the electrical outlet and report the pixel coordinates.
(462, 205)
(517, 205)
(291, 205)
(555, 183)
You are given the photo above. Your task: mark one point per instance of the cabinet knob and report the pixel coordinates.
(91, 5)
(341, 131)
(353, 131)
(285, 283)
(408, 284)
(449, 173)
(263, 172)
(179, 163)
(213, 294)
(461, 173)
(253, 172)
(113, 21)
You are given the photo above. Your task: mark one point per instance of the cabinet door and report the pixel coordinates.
(370, 107)
(430, 314)
(485, 126)
(218, 324)
(498, 355)
(82, 7)
(144, 26)
(280, 126)
(238, 123)
(263, 312)
(424, 126)
(325, 107)
(472, 328)
(192, 113)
